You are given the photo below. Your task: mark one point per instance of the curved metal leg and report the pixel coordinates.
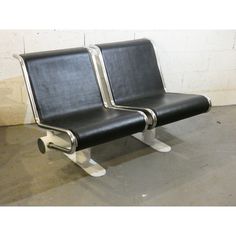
(149, 137)
(83, 159)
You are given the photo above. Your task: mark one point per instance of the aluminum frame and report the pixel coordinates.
(102, 76)
(73, 140)
(106, 93)
(83, 157)
(108, 96)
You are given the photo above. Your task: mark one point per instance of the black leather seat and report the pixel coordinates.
(100, 125)
(135, 81)
(67, 95)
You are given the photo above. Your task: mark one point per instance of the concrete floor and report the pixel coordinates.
(200, 169)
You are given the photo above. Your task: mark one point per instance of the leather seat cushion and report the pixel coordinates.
(100, 125)
(171, 107)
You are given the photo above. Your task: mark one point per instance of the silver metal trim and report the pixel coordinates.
(210, 103)
(130, 110)
(144, 111)
(73, 140)
(102, 77)
(101, 72)
(105, 92)
(98, 72)
(28, 87)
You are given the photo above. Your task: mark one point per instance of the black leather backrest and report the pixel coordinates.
(132, 69)
(62, 81)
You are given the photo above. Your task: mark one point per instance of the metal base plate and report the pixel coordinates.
(149, 137)
(82, 159)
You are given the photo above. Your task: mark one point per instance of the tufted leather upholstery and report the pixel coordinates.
(135, 80)
(66, 94)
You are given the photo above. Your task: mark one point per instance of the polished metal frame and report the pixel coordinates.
(150, 117)
(108, 96)
(210, 103)
(53, 129)
(147, 136)
(72, 138)
(81, 158)
(106, 88)
(56, 135)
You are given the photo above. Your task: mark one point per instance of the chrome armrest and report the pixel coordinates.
(151, 118)
(104, 85)
(73, 140)
(132, 110)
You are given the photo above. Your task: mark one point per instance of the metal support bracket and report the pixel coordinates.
(81, 158)
(149, 137)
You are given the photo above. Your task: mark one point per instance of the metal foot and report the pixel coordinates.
(149, 137)
(83, 159)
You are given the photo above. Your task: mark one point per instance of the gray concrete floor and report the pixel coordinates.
(200, 169)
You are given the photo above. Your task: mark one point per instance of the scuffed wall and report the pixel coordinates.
(201, 62)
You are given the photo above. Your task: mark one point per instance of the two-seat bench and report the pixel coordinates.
(88, 96)
(132, 74)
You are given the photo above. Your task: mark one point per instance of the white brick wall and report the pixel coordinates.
(198, 61)
(190, 40)
(52, 40)
(93, 37)
(10, 42)
(192, 61)
(223, 60)
(173, 62)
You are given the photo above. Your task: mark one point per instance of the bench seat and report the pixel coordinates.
(66, 95)
(133, 77)
(171, 107)
(100, 125)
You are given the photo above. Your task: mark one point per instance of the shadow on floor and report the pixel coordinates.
(200, 169)
(26, 172)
